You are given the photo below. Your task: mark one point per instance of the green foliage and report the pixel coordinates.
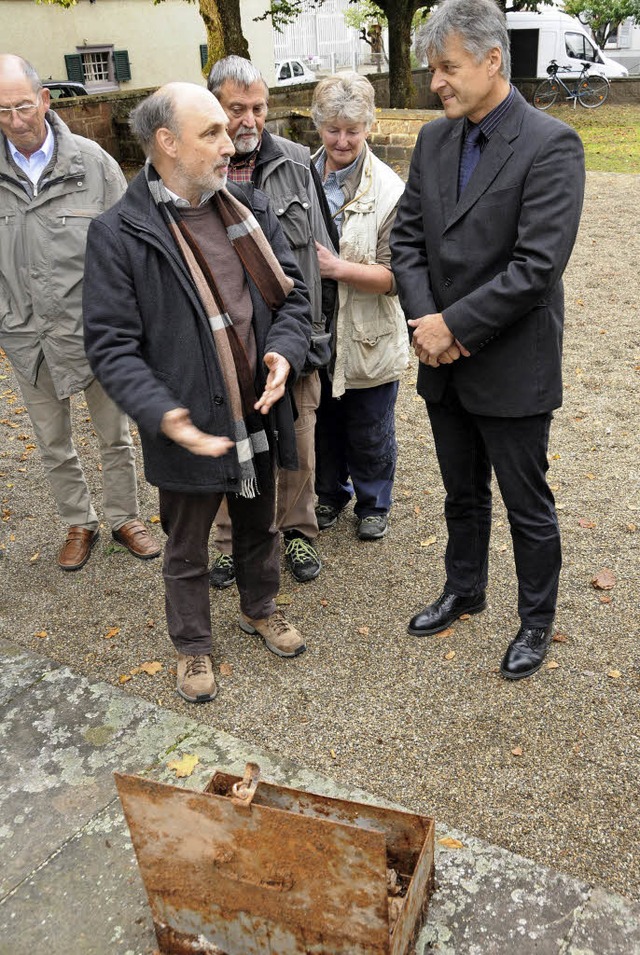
(59, 3)
(603, 17)
(363, 12)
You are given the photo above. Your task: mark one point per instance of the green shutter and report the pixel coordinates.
(73, 63)
(204, 55)
(121, 66)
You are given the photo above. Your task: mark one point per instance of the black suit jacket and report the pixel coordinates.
(492, 262)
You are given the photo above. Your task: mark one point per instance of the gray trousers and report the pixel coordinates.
(51, 420)
(187, 520)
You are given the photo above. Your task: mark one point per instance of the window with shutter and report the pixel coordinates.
(204, 55)
(75, 70)
(121, 65)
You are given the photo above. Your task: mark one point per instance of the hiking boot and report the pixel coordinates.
(223, 572)
(196, 682)
(280, 636)
(326, 515)
(302, 558)
(372, 528)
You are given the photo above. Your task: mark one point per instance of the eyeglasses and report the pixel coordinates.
(28, 109)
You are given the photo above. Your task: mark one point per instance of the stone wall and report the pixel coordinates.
(104, 118)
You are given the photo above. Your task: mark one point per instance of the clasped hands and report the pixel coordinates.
(433, 343)
(177, 424)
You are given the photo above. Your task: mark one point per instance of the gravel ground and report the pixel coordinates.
(548, 767)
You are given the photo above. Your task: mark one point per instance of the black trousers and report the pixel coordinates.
(468, 447)
(187, 520)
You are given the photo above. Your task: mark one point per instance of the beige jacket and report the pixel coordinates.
(42, 246)
(372, 343)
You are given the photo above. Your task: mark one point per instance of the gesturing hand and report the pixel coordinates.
(279, 369)
(178, 426)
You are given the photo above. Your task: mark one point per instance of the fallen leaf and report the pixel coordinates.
(517, 750)
(226, 669)
(185, 766)
(555, 457)
(150, 668)
(450, 655)
(464, 616)
(590, 476)
(112, 632)
(324, 603)
(41, 634)
(124, 678)
(445, 633)
(553, 665)
(429, 541)
(559, 638)
(583, 522)
(632, 528)
(606, 600)
(363, 631)
(605, 579)
(614, 674)
(450, 843)
(333, 754)
(151, 624)
(417, 509)
(155, 519)
(34, 557)
(283, 600)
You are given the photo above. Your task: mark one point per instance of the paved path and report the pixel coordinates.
(69, 884)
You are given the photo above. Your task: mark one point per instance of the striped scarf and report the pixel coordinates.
(259, 261)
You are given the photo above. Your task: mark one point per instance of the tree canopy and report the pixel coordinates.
(603, 17)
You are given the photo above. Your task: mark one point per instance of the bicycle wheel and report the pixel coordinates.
(593, 91)
(545, 94)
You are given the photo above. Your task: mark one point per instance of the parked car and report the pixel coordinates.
(293, 71)
(64, 89)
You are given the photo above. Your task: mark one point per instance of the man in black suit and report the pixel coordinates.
(482, 237)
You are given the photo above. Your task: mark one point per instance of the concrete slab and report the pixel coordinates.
(608, 923)
(20, 669)
(491, 902)
(60, 739)
(70, 880)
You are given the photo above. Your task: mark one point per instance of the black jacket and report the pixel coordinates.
(149, 343)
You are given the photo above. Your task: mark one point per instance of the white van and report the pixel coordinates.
(538, 38)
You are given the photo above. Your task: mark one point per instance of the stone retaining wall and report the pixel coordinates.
(104, 117)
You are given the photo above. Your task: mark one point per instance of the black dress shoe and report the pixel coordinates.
(447, 608)
(526, 652)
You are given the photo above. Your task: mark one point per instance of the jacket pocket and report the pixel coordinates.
(292, 212)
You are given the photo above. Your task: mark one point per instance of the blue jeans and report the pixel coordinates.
(356, 448)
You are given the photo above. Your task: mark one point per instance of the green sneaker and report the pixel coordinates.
(223, 572)
(302, 558)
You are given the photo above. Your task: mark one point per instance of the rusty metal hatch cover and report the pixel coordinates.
(252, 868)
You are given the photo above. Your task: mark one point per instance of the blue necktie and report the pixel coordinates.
(469, 156)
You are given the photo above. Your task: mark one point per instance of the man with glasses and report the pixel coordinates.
(52, 184)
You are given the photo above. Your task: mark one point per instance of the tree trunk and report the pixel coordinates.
(399, 15)
(234, 41)
(224, 30)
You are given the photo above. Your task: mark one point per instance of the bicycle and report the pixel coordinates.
(589, 91)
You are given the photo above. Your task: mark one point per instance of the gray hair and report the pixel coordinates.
(28, 70)
(348, 96)
(236, 70)
(480, 24)
(153, 113)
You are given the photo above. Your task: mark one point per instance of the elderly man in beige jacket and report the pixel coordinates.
(52, 184)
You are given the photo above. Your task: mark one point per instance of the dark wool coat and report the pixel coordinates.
(150, 345)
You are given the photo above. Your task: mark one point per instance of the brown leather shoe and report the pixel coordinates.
(76, 550)
(136, 538)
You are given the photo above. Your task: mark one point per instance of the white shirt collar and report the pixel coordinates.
(37, 162)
